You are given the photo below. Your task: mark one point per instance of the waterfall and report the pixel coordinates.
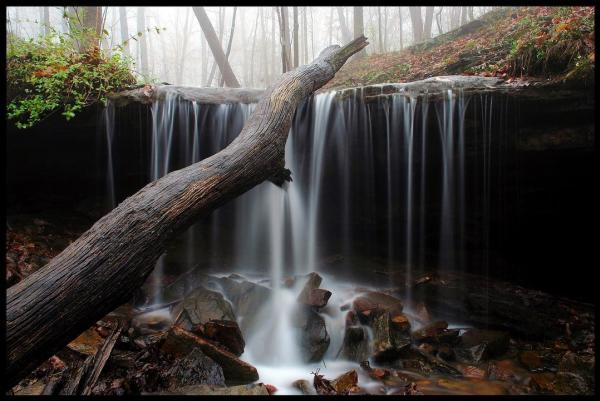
(352, 161)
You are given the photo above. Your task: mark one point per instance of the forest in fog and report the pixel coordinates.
(167, 43)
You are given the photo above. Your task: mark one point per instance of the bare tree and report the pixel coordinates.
(454, 17)
(296, 44)
(182, 50)
(222, 81)
(379, 28)
(471, 14)
(346, 35)
(428, 22)
(463, 15)
(124, 29)
(359, 28)
(221, 30)
(142, 45)
(215, 47)
(45, 20)
(87, 20)
(401, 33)
(304, 37)
(417, 23)
(284, 38)
(438, 20)
(258, 14)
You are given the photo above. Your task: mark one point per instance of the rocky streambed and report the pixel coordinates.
(201, 339)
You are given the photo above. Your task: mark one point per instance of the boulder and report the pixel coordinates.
(226, 333)
(202, 305)
(430, 332)
(388, 341)
(195, 368)
(304, 386)
(356, 344)
(205, 389)
(374, 303)
(317, 298)
(530, 359)
(313, 282)
(314, 339)
(87, 343)
(478, 344)
(344, 383)
(180, 342)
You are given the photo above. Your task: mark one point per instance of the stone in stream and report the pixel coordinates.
(194, 368)
(205, 389)
(344, 383)
(227, 333)
(313, 282)
(304, 386)
(202, 305)
(314, 339)
(476, 345)
(374, 303)
(388, 340)
(356, 344)
(317, 298)
(247, 298)
(180, 342)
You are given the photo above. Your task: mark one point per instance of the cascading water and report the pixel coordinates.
(338, 156)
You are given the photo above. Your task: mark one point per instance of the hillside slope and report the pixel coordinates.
(530, 43)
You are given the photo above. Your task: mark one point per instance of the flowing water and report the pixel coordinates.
(331, 210)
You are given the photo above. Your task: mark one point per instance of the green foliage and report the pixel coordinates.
(49, 74)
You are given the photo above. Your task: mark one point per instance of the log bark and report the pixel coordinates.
(102, 268)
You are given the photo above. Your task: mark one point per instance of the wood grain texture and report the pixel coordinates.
(102, 268)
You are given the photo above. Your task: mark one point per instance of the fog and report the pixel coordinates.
(178, 53)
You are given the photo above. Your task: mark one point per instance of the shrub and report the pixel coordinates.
(48, 74)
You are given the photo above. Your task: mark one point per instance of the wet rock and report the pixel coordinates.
(421, 362)
(151, 322)
(205, 389)
(356, 344)
(227, 333)
(35, 388)
(477, 344)
(122, 358)
(304, 386)
(543, 382)
(180, 342)
(314, 339)
(87, 343)
(271, 389)
(471, 371)
(317, 298)
(581, 365)
(400, 322)
(202, 305)
(571, 384)
(429, 348)
(530, 360)
(345, 382)
(505, 370)
(446, 352)
(430, 332)
(194, 368)
(374, 303)
(247, 298)
(388, 341)
(313, 282)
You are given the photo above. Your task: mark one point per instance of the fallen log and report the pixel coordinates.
(102, 268)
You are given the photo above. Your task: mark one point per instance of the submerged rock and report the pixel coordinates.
(180, 342)
(202, 305)
(195, 368)
(304, 386)
(227, 333)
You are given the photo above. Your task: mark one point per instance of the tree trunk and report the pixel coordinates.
(103, 267)
(379, 27)
(215, 47)
(463, 15)
(284, 37)
(417, 23)
(296, 44)
(46, 20)
(401, 34)
(88, 20)
(359, 28)
(229, 43)
(124, 29)
(428, 22)
(471, 14)
(143, 49)
(214, 64)
(345, 31)
(438, 20)
(183, 49)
